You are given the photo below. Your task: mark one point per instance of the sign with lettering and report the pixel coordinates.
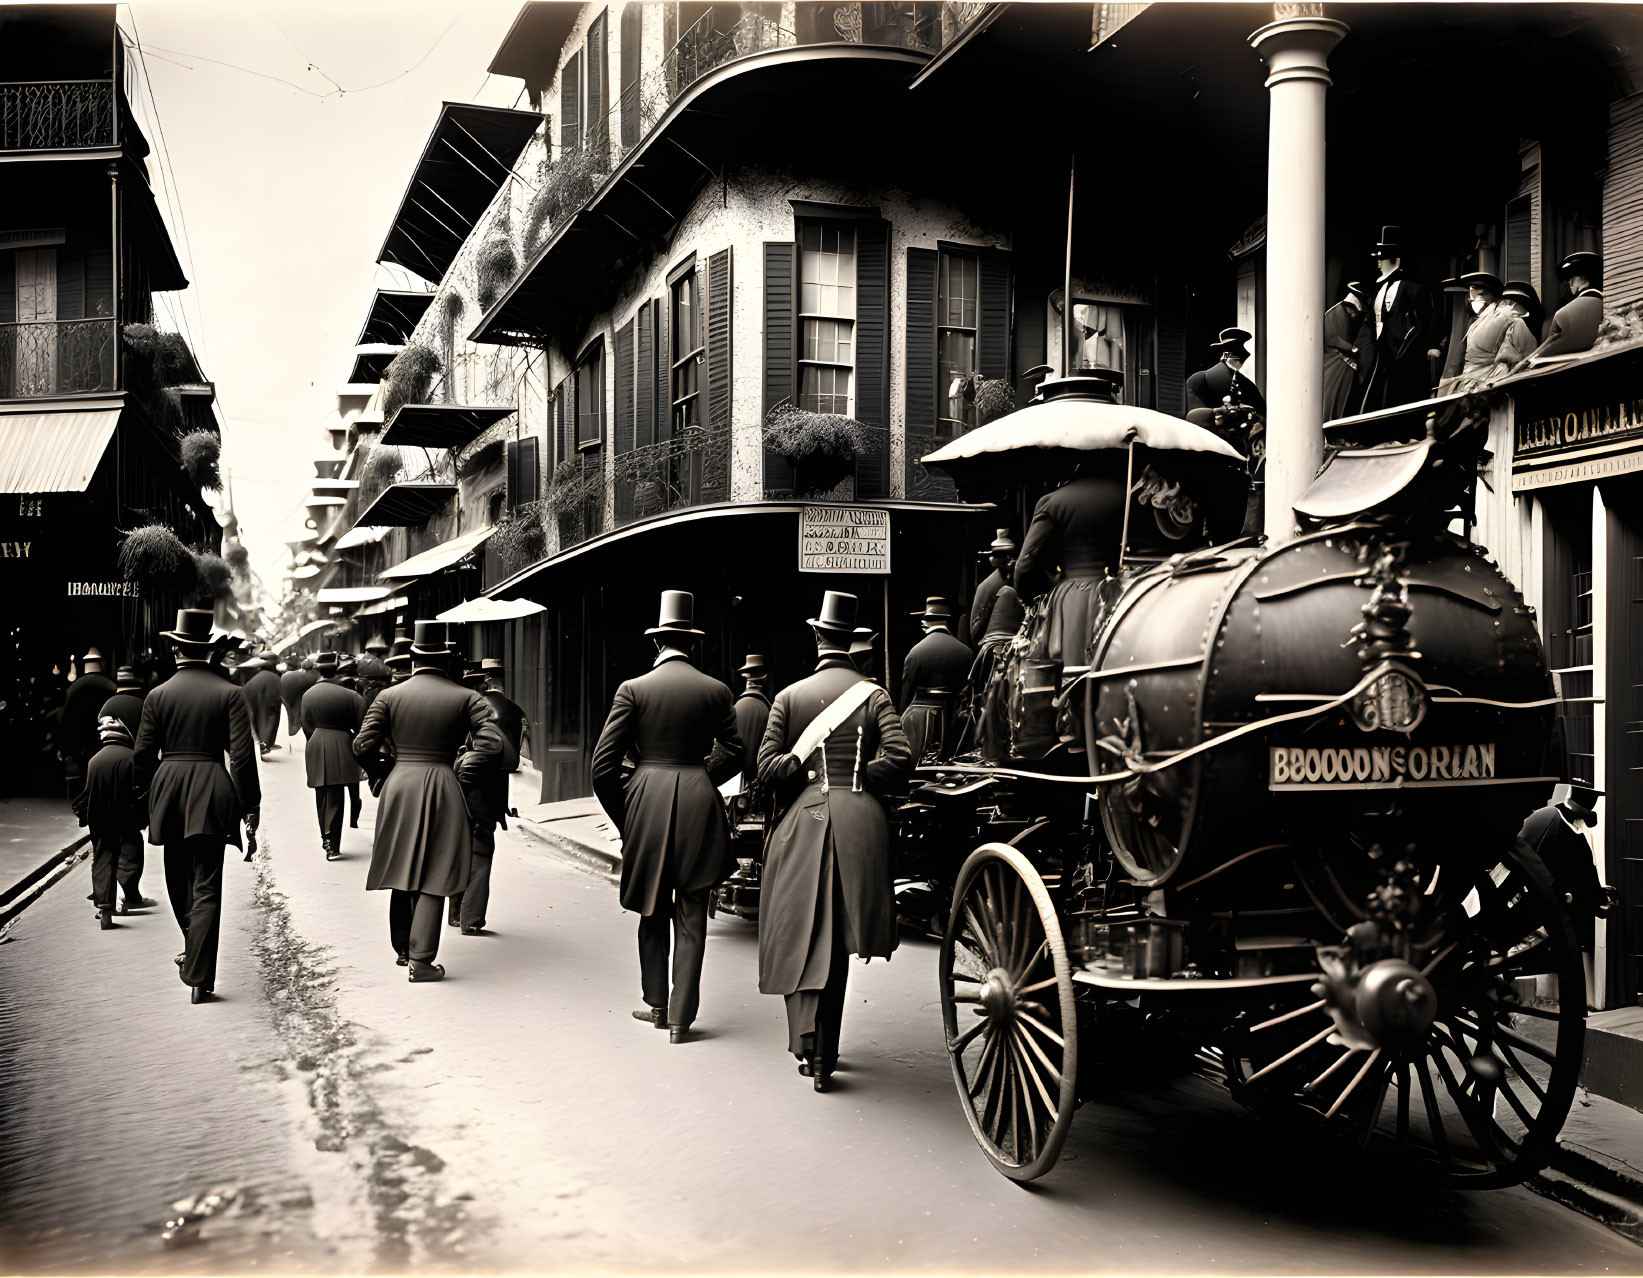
(104, 589)
(1609, 423)
(1580, 422)
(16, 549)
(852, 539)
(1379, 767)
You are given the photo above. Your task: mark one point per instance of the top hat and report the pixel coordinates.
(472, 672)
(936, 608)
(1232, 341)
(754, 667)
(838, 613)
(492, 665)
(126, 680)
(376, 645)
(1003, 543)
(862, 640)
(325, 662)
(1522, 291)
(674, 617)
(93, 654)
(432, 639)
(1583, 263)
(1391, 242)
(193, 628)
(1358, 290)
(400, 657)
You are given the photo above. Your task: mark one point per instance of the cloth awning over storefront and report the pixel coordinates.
(441, 556)
(55, 450)
(353, 594)
(441, 425)
(362, 535)
(387, 605)
(483, 609)
(286, 640)
(408, 505)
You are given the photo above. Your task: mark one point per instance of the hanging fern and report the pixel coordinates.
(155, 553)
(237, 556)
(496, 266)
(408, 378)
(200, 451)
(518, 538)
(214, 577)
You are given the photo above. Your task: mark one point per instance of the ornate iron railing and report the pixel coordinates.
(690, 470)
(45, 115)
(867, 479)
(576, 498)
(56, 357)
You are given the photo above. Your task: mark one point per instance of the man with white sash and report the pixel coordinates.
(832, 748)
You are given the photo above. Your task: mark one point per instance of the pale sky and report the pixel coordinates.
(285, 198)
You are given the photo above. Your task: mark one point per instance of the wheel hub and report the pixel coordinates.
(1395, 1003)
(998, 995)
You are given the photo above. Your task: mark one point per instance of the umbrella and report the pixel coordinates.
(485, 609)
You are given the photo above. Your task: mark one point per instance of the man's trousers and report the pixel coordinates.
(116, 867)
(684, 914)
(193, 881)
(328, 802)
(413, 923)
(468, 906)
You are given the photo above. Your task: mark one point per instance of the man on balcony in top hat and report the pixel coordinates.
(195, 804)
(1574, 324)
(932, 683)
(412, 737)
(680, 724)
(834, 747)
(332, 716)
(1405, 341)
(1226, 379)
(1001, 554)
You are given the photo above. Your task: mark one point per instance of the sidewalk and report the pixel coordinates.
(575, 828)
(39, 837)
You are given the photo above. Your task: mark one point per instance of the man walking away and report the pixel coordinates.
(299, 676)
(262, 695)
(195, 805)
(681, 726)
(81, 706)
(486, 790)
(126, 705)
(410, 738)
(331, 717)
(932, 679)
(116, 813)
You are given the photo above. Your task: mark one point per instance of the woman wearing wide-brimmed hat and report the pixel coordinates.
(411, 736)
(1497, 340)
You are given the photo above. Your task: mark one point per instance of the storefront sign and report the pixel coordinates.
(844, 539)
(1588, 471)
(16, 549)
(1608, 423)
(1378, 767)
(105, 589)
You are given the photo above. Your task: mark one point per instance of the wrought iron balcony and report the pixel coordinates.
(56, 357)
(53, 115)
(692, 469)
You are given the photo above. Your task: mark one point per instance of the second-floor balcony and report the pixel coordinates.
(44, 358)
(57, 115)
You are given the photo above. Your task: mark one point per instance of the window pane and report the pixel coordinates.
(1098, 330)
(960, 276)
(828, 340)
(827, 269)
(590, 400)
(825, 390)
(957, 360)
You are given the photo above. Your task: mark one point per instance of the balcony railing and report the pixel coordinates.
(48, 115)
(56, 357)
(692, 469)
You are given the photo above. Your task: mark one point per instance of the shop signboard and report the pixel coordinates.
(1578, 423)
(844, 539)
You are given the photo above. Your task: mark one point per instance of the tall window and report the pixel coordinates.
(688, 352)
(590, 397)
(956, 313)
(827, 313)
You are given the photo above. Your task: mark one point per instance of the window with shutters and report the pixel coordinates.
(596, 86)
(688, 351)
(632, 30)
(524, 472)
(827, 316)
(570, 104)
(590, 397)
(958, 301)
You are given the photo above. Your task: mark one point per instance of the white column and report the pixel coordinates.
(1296, 49)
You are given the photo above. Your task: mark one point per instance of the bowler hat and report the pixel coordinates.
(1003, 543)
(1391, 242)
(674, 617)
(1584, 263)
(473, 672)
(838, 613)
(754, 665)
(431, 639)
(493, 665)
(936, 608)
(862, 640)
(325, 662)
(193, 628)
(126, 680)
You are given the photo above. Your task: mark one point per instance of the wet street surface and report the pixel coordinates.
(516, 1117)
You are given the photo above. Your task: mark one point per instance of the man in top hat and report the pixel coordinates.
(864, 652)
(1402, 314)
(752, 713)
(680, 724)
(262, 694)
(126, 705)
(1001, 554)
(1574, 324)
(331, 716)
(1345, 325)
(1225, 379)
(932, 680)
(372, 672)
(487, 795)
(398, 659)
(116, 812)
(78, 734)
(833, 748)
(411, 738)
(294, 684)
(195, 805)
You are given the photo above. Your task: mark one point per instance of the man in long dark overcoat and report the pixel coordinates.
(262, 695)
(299, 676)
(116, 812)
(933, 679)
(680, 724)
(1402, 323)
(195, 804)
(1225, 379)
(81, 706)
(1001, 555)
(411, 737)
(832, 749)
(752, 713)
(331, 716)
(486, 790)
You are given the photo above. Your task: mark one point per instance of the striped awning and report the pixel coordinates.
(55, 450)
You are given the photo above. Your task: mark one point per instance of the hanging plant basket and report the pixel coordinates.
(495, 266)
(213, 576)
(200, 451)
(408, 378)
(155, 553)
(822, 447)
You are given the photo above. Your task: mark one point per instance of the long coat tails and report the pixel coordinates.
(188, 722)
(331, 715)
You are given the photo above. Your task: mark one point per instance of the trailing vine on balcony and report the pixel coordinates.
(519, 538)
(408, 378)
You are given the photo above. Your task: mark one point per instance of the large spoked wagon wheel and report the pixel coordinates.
(1482, 1094)
(1007, 1005)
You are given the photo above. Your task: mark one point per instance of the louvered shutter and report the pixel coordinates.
(598, 73)
(570, 104)
(632, 34)
(513, 472)
(719, 338)
(1030, 343)
(530, 468)
(664, 369)
(563, 418)
(993, 319)
(625, 423)
(644, 382)
(1171, 368)
(99, 282)
(1623, 207)
(921, 368)
(71, 285)
(8, 288)
(780, 348)
(873, 353)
